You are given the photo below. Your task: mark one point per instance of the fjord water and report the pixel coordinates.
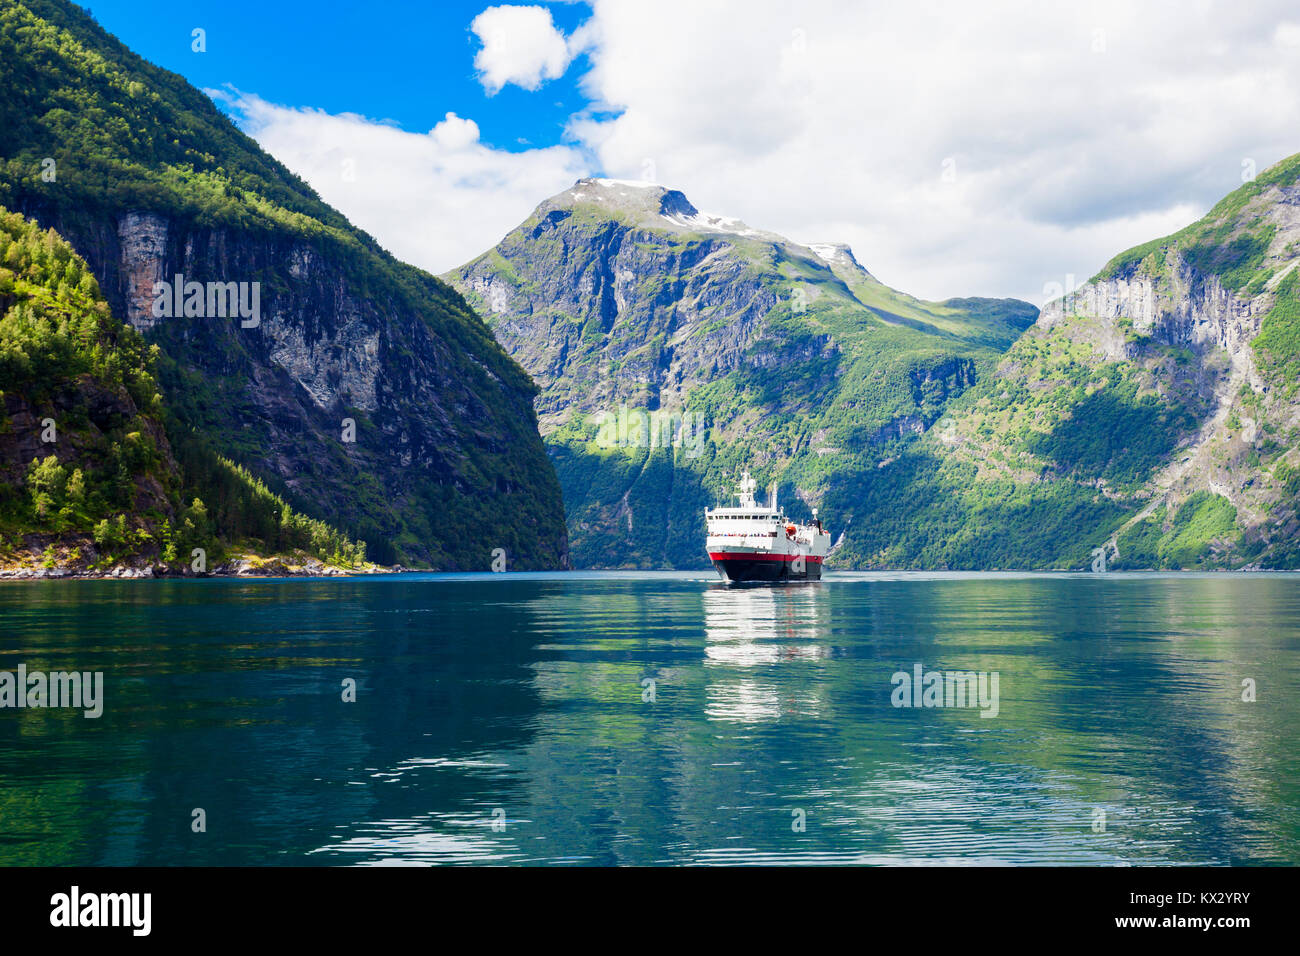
(507, 719)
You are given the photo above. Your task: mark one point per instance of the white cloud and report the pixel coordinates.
(435, 200)
(454, 133)
(1288, 35)
(521, 45)
(1071, 131)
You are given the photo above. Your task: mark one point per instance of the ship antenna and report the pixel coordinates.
(746, 492)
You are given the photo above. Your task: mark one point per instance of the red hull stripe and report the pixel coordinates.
(744, 556)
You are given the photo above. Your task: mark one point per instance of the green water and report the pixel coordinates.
(506, 718)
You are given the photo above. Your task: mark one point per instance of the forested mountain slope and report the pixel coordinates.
(637, 314)
(366, 392)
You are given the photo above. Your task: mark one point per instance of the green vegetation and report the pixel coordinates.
(1114, 435)
(1225, 243)
(956, 434)
(80, 380)
(74, 374)
(125, 134)
(935, 434)
(1277, 347)
(92, 132)
(1286, 554)
(923, 512)
(1203, 521)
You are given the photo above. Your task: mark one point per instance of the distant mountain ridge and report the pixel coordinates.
(1149, 418)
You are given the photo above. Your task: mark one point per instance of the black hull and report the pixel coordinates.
(745, 571)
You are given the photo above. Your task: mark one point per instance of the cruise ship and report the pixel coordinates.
(758, 543)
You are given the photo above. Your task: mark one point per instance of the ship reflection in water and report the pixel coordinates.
(756, 628)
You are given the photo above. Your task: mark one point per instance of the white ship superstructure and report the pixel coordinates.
(754, 542)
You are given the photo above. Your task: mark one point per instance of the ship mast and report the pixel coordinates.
(746, 492)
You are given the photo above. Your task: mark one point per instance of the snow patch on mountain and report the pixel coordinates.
(710, 223)
(632, 183)
(827, 252)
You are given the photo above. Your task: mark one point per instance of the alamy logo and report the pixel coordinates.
(208, 300)
(74, 908)
(1055, 290)
(658, 429)
(946, 689)
(81, 690)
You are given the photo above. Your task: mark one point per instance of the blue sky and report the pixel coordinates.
(408, 63)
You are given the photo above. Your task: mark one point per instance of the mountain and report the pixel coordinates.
(88, 478)
(363, 391)
(1148, 419)
(672, 347)
(1205, 321)
(1145, 420)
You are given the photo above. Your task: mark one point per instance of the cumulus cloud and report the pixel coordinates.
(433, 199)
(960, 149)
(521, 45)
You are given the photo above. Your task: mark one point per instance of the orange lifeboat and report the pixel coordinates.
(789, 530)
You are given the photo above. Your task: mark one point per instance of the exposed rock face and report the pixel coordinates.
(334, 358)
(331, 365)
(617, 313)
(1174, 293)
(943, 380)
(143, 239)
(352, 404)
(1179, 304)
(1179, 307)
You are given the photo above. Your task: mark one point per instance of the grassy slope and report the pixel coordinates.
(1036, 466)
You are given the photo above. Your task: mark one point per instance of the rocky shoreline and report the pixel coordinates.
(239, 568)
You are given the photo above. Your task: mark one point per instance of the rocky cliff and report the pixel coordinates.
(1207, 318)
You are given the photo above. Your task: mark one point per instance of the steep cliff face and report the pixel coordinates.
(89, 480)
(623, 301)
(602, 336)
(1179, 306)
(350, 402)
(1187, 348)
(365, 390)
